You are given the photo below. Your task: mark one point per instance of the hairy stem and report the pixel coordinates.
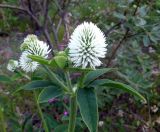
(40, 113)
(3, 125)
(72, 114)
(67, 76)
(54, 78)
(73, 104)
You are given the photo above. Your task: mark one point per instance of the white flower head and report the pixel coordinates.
(30, 39)
(101, 123)
(27, 64)
(87, 45)
(32, 46)
(12, 65)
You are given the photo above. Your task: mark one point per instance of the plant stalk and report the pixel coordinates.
(67, 76)
(73, 113)
(3, 125)
(54, 78)
(40, 113)
(37, 104)
(73, 104)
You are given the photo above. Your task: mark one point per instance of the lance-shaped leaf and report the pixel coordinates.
(92, 75)
(61, 128)
(4, 78)
(81, 70)
(37, 84)
(87, 102)
(39, 59)
(49, 93)
(113, 84)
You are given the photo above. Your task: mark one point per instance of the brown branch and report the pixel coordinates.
(23, 10)
(46, 4)
(47, 19)
(45, 32)
(124, 37)
(113, 27)
(59, 24)
(138, 4)
(63, 14)
(118, 46)
(13, 7)
(54, 31)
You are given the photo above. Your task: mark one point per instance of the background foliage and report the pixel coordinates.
(132, 29)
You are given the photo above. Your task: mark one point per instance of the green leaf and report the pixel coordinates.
(75, 69)
(146, 41)
(118, 85)
(53, 63)
(51, 122)
(61, 53)
(61, 128)
(92, 75)
(87, 102)
(16, 76)
(49, 93)
(39, 59)
(140, 21)
(4, 78)
(60, 61)
(119, 15)
(142, 11)
(37, 84)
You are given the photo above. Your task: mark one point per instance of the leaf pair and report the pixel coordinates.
(87, 99)
(56, 62)
(50, 90)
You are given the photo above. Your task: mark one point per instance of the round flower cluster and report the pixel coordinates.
(12, 65)
(87, 45)
(32, 46)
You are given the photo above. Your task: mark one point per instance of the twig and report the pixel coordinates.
(125, 35)
(59, 24)
(63, 15)
(47, 18)
(138, 4)
(53, 30)
(46, 3)
(113, 27)
(13, 7)
(46, 34)
(115, 50)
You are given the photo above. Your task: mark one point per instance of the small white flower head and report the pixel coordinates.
(12, 65)
(154, 108)
(35, 46)
(31, 38)
(100, 123)
(27, 64)
(87, 45)
(32, 46)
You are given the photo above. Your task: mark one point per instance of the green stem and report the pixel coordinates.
(81, 79)
(40, 113)
(2, 120)
(73, 113)
(54, 78)
(73, 104)
(22, 74)
(37, 104)
(68, 80)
